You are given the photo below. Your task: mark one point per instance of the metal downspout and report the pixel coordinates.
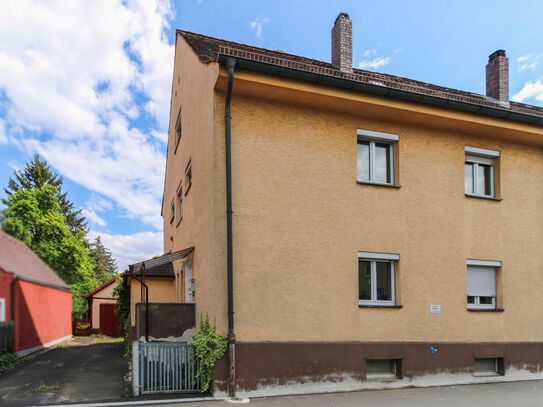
(142, 284)
(230, 64)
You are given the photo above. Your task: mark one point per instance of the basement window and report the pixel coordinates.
(375, 157)
(486, 367)
(480, 172)
(381, 369)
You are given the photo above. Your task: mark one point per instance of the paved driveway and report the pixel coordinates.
(81, 370)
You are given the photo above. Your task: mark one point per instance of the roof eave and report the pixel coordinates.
(383, 91)
(42, 283)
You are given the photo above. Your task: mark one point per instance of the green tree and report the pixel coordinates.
(38, 173)
(105, 266)
(121, 292)
(34, 216)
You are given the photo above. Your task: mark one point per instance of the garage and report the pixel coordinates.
(109, 322)
(103, 309)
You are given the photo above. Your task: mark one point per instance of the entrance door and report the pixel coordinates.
(189, 288)
(109, 322)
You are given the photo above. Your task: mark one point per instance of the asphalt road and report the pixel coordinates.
(514, 394)
(79, 371)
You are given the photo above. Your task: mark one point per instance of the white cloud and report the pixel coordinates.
(93, 217)
(72, 73)
(97, 203)
(130, 249)
(257, 25)
(530, 90)
(372, 60)
(528, 62)
(528, 67)
(3, 136)
(160, 135)
(374, 63)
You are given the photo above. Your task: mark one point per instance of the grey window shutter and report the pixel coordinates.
(482, 281)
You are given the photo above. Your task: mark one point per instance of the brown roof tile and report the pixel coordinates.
(209, 48)
(16, 257)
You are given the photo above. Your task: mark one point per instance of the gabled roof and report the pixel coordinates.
(210, 49)
(17, 258)
(98, 289)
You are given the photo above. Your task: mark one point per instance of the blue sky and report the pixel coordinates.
(87, 85)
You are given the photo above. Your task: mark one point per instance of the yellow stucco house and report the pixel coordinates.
(353, 229)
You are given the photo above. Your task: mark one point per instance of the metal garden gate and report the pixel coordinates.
(165, 367)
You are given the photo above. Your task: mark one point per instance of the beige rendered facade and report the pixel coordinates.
(302, 217)
(161, 290)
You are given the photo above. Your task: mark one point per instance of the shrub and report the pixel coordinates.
(121, 293)
(209, 347)
(7, 361)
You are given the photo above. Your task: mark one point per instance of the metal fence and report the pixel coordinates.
(164, 367)
(6, 336)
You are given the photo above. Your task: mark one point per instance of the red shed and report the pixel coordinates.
(32, 296)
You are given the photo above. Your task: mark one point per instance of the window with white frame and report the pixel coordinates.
(2, 309)
(172, 211)
(375, 157)
(179, 206)
(480, 172)
(177, 131)
(376, 278)
(188, 177)
(482, 284)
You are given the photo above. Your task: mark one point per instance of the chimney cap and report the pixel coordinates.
(342, 14)
(496, 54)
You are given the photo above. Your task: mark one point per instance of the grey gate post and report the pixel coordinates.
(135, 369)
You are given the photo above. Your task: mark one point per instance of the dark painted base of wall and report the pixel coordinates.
(275, 364)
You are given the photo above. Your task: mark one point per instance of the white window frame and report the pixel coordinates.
(491, 264)
(2, 310)
(188, 177)
(172, 211)
(476, 156)
(179, 198)
(178, 130)
(373, 137)
(477, 304)
(373, 258)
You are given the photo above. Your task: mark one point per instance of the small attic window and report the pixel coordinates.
(177, 130)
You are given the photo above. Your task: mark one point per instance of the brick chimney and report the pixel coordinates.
(497, 76)
(342, 43)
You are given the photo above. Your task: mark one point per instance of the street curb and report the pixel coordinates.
(139, 402)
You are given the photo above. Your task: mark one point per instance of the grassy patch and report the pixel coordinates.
(7, 361)
(46, 387)
(99, 338)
